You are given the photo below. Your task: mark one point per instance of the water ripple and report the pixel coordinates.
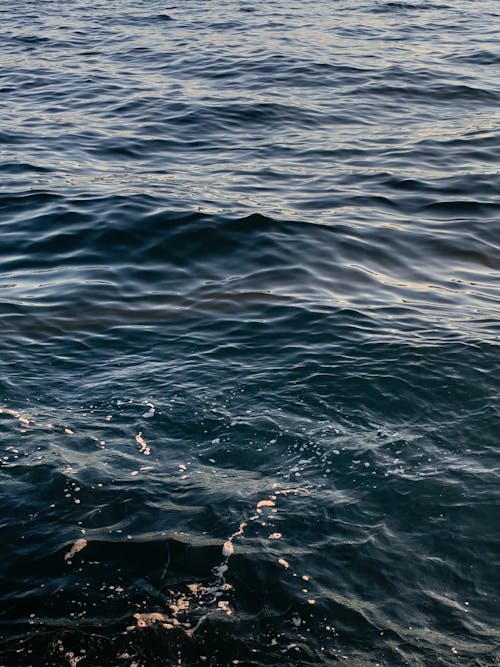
(250, 325)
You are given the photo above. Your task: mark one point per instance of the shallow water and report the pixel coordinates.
(250, 333)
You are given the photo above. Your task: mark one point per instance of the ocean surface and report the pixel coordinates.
(250, 333)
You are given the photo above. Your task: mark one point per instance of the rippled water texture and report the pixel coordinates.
(249, 317)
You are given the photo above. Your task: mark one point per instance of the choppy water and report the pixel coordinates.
(249, 252)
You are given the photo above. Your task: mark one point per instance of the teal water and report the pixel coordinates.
(249, 313)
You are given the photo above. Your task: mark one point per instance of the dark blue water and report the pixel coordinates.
(249, 319)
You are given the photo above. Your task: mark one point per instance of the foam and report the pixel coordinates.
(143, 446)
(77, 546)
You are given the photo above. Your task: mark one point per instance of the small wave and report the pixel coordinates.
(394, 7)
